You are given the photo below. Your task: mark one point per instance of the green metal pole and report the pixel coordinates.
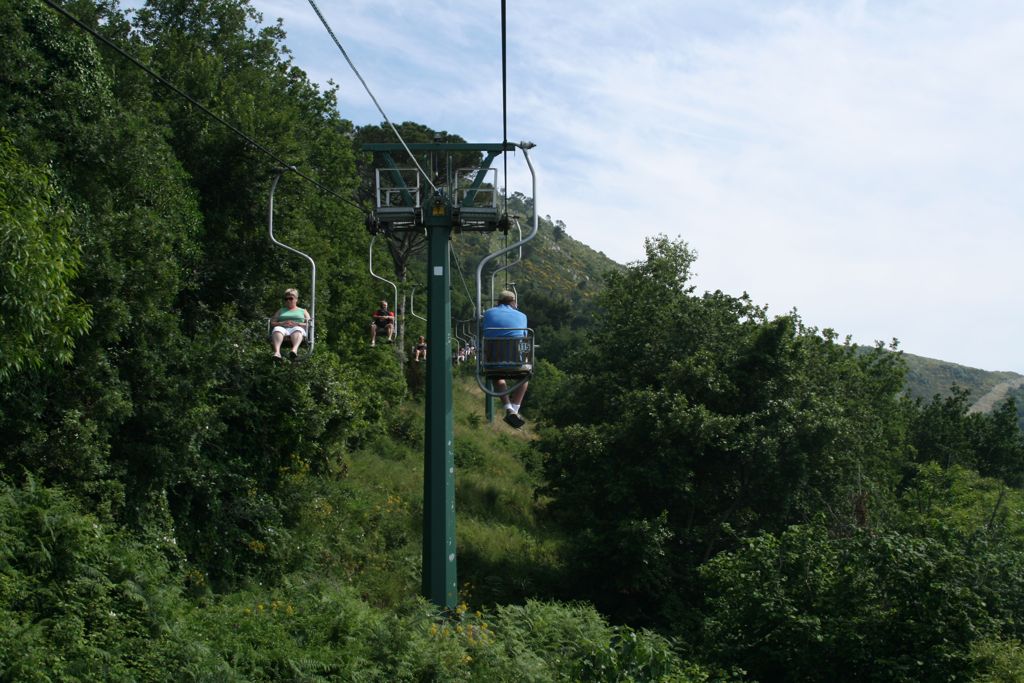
(440, 584)
(488, 401)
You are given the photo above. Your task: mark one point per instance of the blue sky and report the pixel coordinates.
(858, 161)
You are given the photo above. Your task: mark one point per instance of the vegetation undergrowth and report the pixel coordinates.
(83, 600)
(507, 550)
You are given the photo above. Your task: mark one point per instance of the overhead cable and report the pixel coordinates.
(504, 107)
(505, 140)
(344, 54)
(163, 81)
(458, 267)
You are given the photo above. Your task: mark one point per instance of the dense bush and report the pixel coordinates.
(832, 521)
(81, 599)
(126, 205)
(721, 424)
(888, 606)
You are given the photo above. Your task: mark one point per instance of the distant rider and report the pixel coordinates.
(383, 320)
(289, 321)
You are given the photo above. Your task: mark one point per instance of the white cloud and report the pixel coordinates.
(858, 160)
(857, 163)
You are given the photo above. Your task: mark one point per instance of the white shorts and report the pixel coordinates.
(288, 331)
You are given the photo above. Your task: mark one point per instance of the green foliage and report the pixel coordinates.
(170, 417)
(721, 423)
(944, 431)
(39, 315)
(933, 597)
(322, 632)
(572, 642)
(998, 661)
(887, 606)
(81, 600)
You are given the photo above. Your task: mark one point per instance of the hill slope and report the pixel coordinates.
(554, 266)
(927, 377)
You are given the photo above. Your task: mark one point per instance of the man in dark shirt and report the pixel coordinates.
(383, 320)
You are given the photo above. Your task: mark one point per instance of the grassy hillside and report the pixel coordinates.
(506, 553)
(928, 376)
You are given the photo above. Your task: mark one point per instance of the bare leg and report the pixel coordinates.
(373, 334)
(275, 340)
(519, 394)
(500, 386)
(391, 332)
(296, 341)
(511, 416)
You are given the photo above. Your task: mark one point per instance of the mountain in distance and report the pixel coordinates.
(927, 377)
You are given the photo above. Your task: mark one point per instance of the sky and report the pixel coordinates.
(858, 161)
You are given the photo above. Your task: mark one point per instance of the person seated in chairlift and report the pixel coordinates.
(507, 315)
(420, 350)
(383, 319)
(290, 321)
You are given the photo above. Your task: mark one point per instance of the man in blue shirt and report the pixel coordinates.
(502, 321)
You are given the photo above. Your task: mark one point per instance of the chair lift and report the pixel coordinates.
(383, 279)
(470, 339)
(463, 336)
(505, 357)
(458, 343)
(311, 326)
(412, 305)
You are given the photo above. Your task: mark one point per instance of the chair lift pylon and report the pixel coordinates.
(457, 201)
(311, 328)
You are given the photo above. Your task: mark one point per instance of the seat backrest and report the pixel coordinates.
(510, 357)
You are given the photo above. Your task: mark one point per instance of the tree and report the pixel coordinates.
(559, 231)
(689, 422)
(167, 418)
(944, 431)
(40, 316)
(804, 605)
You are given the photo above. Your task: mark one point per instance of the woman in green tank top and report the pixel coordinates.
(290, 321)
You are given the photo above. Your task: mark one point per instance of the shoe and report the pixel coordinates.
(292, 355)
(514, 420)
(276, 358)
(372, 344)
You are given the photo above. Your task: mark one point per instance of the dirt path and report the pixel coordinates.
(987, 402)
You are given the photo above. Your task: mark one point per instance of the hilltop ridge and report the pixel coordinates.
(927, 377)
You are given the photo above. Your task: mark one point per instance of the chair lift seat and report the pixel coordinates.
(507, 357)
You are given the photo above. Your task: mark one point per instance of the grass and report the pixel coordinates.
(507, 552)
